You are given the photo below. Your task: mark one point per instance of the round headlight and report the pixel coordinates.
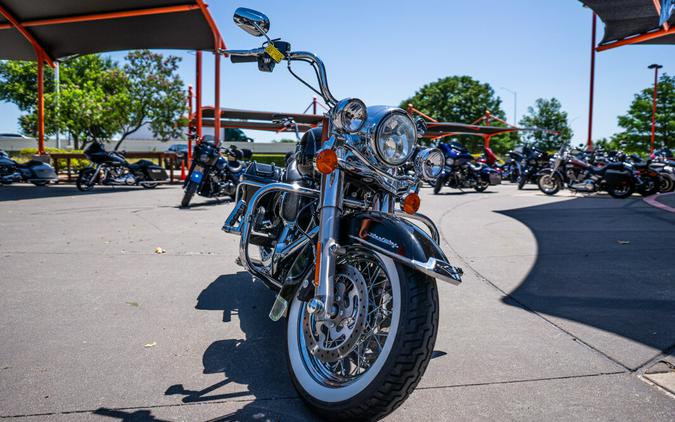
(429, 164)
(350, 115)
(395, 138)
(449, 161)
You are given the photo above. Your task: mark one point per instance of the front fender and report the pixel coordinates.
(400, 240)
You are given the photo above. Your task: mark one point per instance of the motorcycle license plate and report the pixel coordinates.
(196, 176)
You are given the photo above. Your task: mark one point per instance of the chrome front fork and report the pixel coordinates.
(96, 172)
(329, 226)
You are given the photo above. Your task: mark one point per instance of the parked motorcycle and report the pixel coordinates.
(215, 171)
(354, 277)
(35, 172)
(618, 178)
(511, 169)
(534, 158)
(460, 171)
(113, 169)
(663, 162)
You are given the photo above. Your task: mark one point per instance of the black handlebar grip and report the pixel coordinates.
(243, 59)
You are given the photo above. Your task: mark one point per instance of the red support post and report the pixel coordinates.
(198, 95)
(216, 106)
(41, 104)
(589, 142)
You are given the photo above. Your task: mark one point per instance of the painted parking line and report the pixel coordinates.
(651, 200)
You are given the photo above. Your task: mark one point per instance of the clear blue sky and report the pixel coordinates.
(382, 52)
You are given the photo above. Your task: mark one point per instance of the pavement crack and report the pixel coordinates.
(520, 381)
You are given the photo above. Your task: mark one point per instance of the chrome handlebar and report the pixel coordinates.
(301, 56)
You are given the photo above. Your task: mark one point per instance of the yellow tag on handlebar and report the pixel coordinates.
(274, 53)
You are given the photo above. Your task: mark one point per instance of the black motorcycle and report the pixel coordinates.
(330, 234)
(35, 172)
(113, 169)
(533, 159)
(619, 178)
(215, 171)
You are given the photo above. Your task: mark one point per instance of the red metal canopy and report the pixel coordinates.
(635, 21)
(258, 120)
(48, 30)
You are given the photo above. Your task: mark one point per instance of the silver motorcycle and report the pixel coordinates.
(355, 277)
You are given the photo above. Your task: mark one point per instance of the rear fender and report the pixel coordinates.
(400, 240)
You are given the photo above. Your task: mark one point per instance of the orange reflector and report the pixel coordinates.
(317, 267)
(326, 161)
(411, 203)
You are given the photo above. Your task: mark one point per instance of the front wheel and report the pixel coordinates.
(364, 362)
(84, 180)
(40, 182)
(438, 186)
(650, 186)
(150, 185)
(190, 190)
(522, 179)
(482, 185)
(549, 183)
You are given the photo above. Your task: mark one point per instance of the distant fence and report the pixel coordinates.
(12, 144)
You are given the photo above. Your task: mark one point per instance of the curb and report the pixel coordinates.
(651, 200)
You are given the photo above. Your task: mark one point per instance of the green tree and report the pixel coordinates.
(93, 99)
(98, 99)
(157, 98)
(637, 122)
(461, 99)
(547, 114)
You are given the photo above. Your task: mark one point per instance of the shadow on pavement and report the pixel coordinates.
(128, 416)
(605, 264)
(256, 361)
(26, 192)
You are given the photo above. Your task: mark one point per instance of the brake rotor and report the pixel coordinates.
(334, 338)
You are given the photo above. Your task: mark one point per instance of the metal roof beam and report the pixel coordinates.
(106, 16)
(39, 51)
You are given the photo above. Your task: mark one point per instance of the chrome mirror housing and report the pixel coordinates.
(252, 21)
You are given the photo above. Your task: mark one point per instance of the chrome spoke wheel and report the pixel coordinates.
(338, 350)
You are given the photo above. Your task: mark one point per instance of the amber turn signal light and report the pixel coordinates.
(411, 203)
(326, 161)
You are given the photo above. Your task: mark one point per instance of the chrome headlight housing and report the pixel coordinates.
(449, 161)
(395, 138)
(429, 164)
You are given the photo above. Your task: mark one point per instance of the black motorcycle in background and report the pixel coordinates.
(534, 158)
(617, 176)
(35, 172)
(215, 171)
(113, 169)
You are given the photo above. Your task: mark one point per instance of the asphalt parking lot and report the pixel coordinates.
(567, 311)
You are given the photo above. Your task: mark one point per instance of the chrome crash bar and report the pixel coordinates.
(240, 220)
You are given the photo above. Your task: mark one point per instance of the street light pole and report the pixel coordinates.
(515, 105)
(656, 68)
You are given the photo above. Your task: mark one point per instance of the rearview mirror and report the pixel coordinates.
(252, 21)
